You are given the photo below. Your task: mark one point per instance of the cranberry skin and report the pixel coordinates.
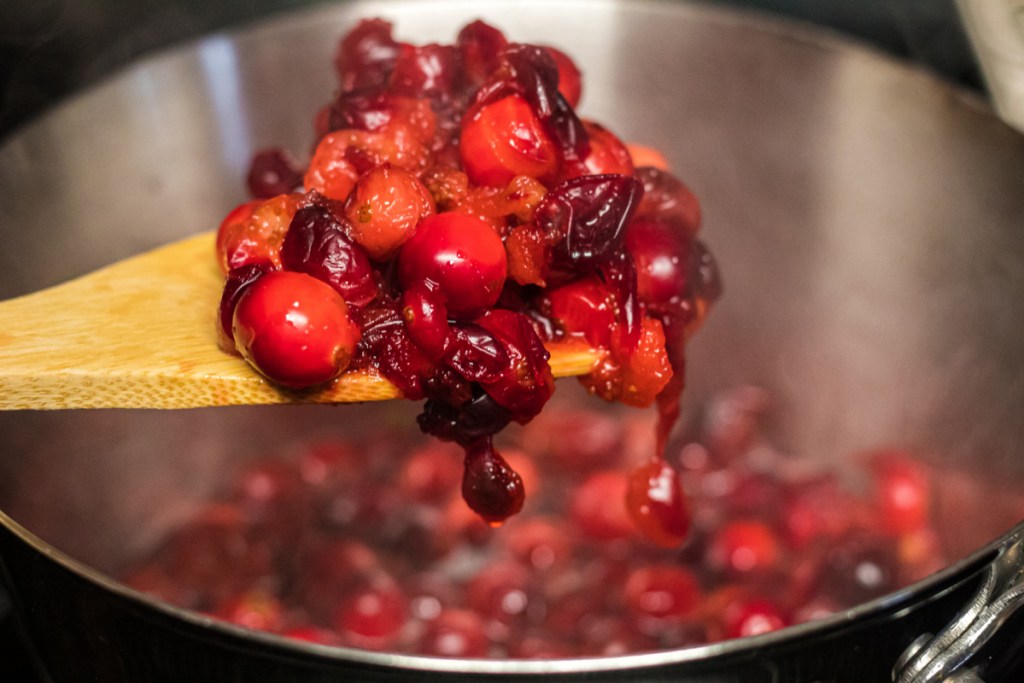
(751, 617)
(504, 139)
(662, 260)
(745, 548)
(525, 382)
(491, 488)
(570, 83)
(585, 306)
(317, 244)
(273, 172)
(479, 47)
(331, 171)
(657, 505)
(608, 154)
(253, 232)
(455, 633)
(383, 209)
(667, 197)
(662, 591)
(366, 55)
(294, 329)
(239, 280)
(598, 507)
(463, 255)
(372, 615)
(426, 317)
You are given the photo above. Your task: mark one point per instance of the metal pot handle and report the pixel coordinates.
(934, 659)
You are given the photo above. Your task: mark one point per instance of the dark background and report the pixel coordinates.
(52, 48)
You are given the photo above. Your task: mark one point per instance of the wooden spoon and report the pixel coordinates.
(141, 334)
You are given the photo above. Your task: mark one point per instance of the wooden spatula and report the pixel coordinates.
(141, 334)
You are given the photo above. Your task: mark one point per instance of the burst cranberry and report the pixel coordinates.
(294, 329)
(479, 47)
(424, 71)
(570, 82)
(455, 633)
(667, 197)
(662, 261)
(366, 55)
(384, 208)
(633, 376)
(273, 172)
(745, 547)
(505, 139)
(585, 306)
(253, 232)
(608, 154)
(598, 506)
(462, 255)
(524, 383)
(655, 502)
(317, 244)
(330, 171)
(662, 591)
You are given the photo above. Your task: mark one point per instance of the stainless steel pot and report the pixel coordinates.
(869, 220)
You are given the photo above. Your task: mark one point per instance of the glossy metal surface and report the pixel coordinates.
(866, 216)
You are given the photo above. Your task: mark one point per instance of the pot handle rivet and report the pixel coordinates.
(941, 658)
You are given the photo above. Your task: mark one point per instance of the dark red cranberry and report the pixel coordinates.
(317, 244)
(475, 354)
(662, 259)
(584, 307)
(586, 217)
(464, 423)
(366, 55)
(273, 172)
(667, 198)
(426, 317)
(372, 614)
(598, 506)
(238, 280)
(524, 383)
(424, 71)
(479, 47)
(570, 82)
(860, 568)
(490, 487)
(387, 346)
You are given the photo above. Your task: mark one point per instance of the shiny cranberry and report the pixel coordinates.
(598, 506)
(317, 244)
(430, 473)
(662, 591)
(273, 172)
(424, 71)
(455, 633)
(372, 615)
(253, 232)
(294, 329)
(859, 568)
(570, 83)
(635, 376)
(366, 54)
(584, 307)
(668, 198)
(383, 209)
(608, 154)
(504, 139)
(586, 217)
(500, 591)
(239, 280)
(479, 46)
(744, 548)
(331, 171)
(387, 346)
(462, 255)
(426, 317)
(752, 617)
(662, 262)
(255, 609)
(656, 504)
(524, 383)
(902, 492)
(539, 543)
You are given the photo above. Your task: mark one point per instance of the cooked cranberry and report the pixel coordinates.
(462, 255)
(598, 506)
(570, 82)
(634, 376)
(317, 244)
(237, 282)
(373, 614)
(505, 139)
(475, 353)
(273, 172)
(500, 591)
(587, 217)
(255, 609)
(585, 306)
(902, 492)
(524, 383)
(426, 317)
(490, 487)
(455, 633)
(540, 542)
(430, 473)
(424, 71)
(656, 503)
(667, 197)
(608, 154)
(745, 547)
(366, 54)
(751, 617)
(479, 46)
(331, 171)
(383, 209)
(386, 346)
(466, 422)
(662, 591)
(662, 262)
(860, 568)
(294, 329)
(253, 232)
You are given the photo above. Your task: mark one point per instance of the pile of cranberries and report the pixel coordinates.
(456, 214)
(368, 544)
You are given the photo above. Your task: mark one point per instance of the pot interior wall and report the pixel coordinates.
(867, 220)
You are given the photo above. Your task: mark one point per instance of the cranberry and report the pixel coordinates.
(430, 473)
(902, 495)
(745, 547)
(253, 232)
(462, 255)
(366, 55)
(317, 244)
(424, 71)
(373, 614)
(331, 172)
(656, 504)
(238, 280)
(662, 261)
(662, 591)
(294, 329)
(570, 83)
(751, 617)
(667, 197)
(860, 568)
(479, 46)
(500, 591)
(586, 306)
(524, 383)
(633, 376)
(273, 172)
(455, 633)
(490, 487)
(539, 543)
(384, 208)
(643, 155)
(505, 139)
(608, 154)
(598, 506)
(426, 317)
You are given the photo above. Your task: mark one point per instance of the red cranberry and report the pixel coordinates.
(426, 317)
(373, 614)
(751, 617)
(608, 154)
(859, 568)
(901, 492)
(366, 55)
(462, 255)
(504, 139)
(237, 282)
(273, 172)
(570, 83)
(662, 591)
(745, 547)
(539, 543)
(253, 232)
(424, 71)
(585, 306)
(455, 633)
(667, 197)
(479, 47)
(294, 329)
(430, 473)
(255, 609)
(656, 504)
(598, 506)
(384, 208)
(662, 261)
(500, 591)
